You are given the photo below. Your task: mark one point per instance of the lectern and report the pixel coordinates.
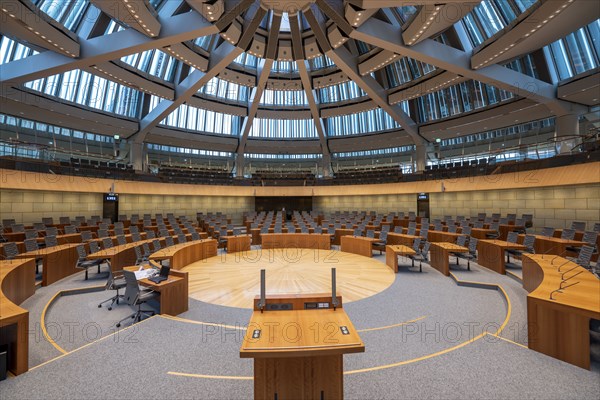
(298, 343)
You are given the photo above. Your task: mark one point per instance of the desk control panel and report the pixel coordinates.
(316, 305)
(344, 330)
(256, 334)
(279, 306)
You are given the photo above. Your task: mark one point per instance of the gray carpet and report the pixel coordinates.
(135, 365)
(126, 365)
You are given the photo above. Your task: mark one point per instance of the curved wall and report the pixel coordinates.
(555, 196)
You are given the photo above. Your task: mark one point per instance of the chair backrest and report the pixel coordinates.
(51, 241)
(169, 241)
(163, 233)
(150, 234)
(86, 236)
(452, 228)
(119, 231)
(8, 222)
(437, 226)
(318, 229)
(237, 231)
(181, 238)
(31, 245)
(520, 222)
(134, 229)
(81, 251)
(478, 225)
(139, 256)
(461, 240)
(547, 231)
(568, 234)
(48, 221)
(38, 226)
(585, 256)
(103, 226)
(417, 245)
(18, 228)
(132, 289)
(195, 236)
(528, 242)
(512, 237)
(121, 239)
(495, 216)
(495, 226)
(385, 228)
(64, 220)
(31, 234)
(411, 231)
(466, 230)
(136, 237)
(156, 245)
(94, 247)
(146, 248)
(357, 232)
(371, 233)
(590, 237)
(398, 229)
(597, 227)
(425, 250)
(70, 229)
(51, 231)
(102, 233)
(383, 236)
(473, 245)
(578, 225)
(412, 225)
(107, 243)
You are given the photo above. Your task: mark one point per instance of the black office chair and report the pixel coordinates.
(107, 243)
(195, 236)
(380, 245)
(121, 240)
(150, 234)
(51, 241)
(547, 231)
(139, 255)
(528, 242)
(32, 245)
(136, 237)
(136, 297)
(86, 236)
(70, 229)
(170, 242)
(115, 282)
(11, 251)
(590, 238)
(471, 255)
(422, 255)
(84, 263)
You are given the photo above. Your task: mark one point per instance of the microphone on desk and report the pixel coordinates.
(569, 278)
(562, 277)
(263, 301)
(334, 300)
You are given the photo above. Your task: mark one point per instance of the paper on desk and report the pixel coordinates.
(146, 273)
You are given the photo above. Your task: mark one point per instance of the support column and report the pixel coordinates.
(136, 156)
(240, 165)
(567, 126)
(326, 166)
(421, 157)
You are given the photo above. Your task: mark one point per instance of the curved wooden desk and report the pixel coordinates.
(183, 254)
(58, 261)
(559, 322)
(321, 241)
(363, 246)
(17, 283)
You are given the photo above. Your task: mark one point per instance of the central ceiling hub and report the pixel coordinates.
(289, 7)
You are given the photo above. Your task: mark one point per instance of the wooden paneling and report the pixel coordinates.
(17, 283)
(558, 321)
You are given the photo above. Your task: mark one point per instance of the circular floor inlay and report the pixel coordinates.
(234, 279)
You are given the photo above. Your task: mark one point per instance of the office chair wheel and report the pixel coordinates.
(109, 308)
(99, 305)
(118, 325)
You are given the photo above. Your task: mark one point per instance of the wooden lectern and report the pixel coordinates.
(297, 343)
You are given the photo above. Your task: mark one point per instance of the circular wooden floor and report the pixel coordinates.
(234, 279)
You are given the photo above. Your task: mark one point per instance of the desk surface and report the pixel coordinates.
(584, 296)
(170, 251)
(328, 341)
(451, 247)
(400, 249)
